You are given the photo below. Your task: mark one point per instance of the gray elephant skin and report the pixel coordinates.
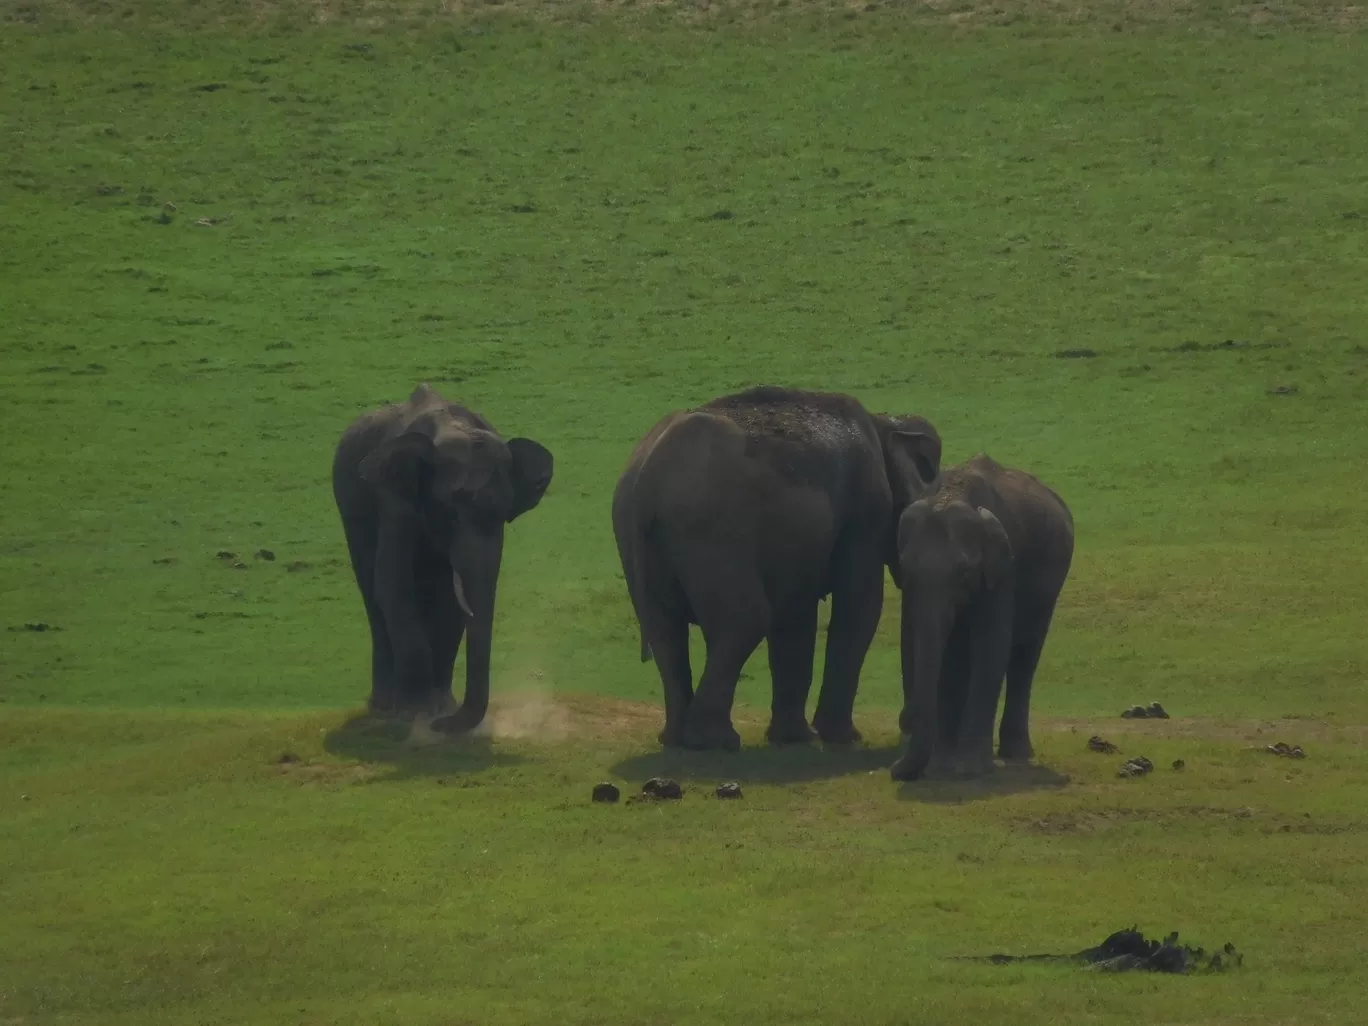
(424, 489)
(981, 563)
(740, 516)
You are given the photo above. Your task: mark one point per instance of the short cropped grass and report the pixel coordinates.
(1124, 251)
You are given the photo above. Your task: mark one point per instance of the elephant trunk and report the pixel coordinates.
(923, 646)
(475, 561)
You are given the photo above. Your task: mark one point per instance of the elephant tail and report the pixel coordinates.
(635, 508)
(631, 539)
(637, 583)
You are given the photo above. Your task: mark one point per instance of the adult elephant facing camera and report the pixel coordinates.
(740, 516)
(424, 489)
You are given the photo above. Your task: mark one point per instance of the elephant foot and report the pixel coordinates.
(908, 767)
(977, 765)
(790, 731)
(939, 765)
(384, 707)
(671, 736)
(843, 733)
(711, 735)
(442, 703)
(1016, 750)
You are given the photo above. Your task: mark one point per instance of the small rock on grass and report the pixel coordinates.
(265, 554)
(1178, 764)
(729, 790)
(1097, 744)
(1285, 750)
(606, 792)
(1136, 767)
(1154, 711)
(661, 788)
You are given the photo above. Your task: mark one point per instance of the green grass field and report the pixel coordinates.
(1123, 247)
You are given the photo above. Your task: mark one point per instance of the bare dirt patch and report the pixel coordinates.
(325, 775)
(535, 714)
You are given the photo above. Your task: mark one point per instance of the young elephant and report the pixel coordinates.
(981, 563)
(424, 488)
(740, 516)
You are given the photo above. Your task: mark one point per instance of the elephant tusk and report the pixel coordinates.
(460, 594)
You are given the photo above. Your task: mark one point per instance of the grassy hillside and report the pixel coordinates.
(1122, 248)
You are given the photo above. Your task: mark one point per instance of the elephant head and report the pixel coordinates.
(464, 483)
(912, 455)
(954, 562)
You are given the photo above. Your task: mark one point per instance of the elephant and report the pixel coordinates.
(424, 488)
(740, 516)
(981, 562)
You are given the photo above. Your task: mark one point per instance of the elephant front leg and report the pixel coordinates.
(396, 594)
(384, 694)
(444, 624)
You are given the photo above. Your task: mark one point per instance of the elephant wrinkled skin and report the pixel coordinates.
(740, 516)
(981, 563)
(424, 489)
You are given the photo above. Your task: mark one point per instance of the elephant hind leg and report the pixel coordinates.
(735, 616)
(792, 645)
(1014, 736)
(954, 694)
(669, 642)
(856, 605)
(663, 616)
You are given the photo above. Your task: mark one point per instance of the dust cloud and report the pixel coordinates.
(521, 707)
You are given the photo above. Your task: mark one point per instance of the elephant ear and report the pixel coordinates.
(918, 448)
(532, 469)
(393, 464)
(997, 551)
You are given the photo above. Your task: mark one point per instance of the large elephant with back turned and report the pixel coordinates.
(981, 563)
(740, 516)
(424, 489)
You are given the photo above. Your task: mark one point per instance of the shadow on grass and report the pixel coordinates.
(368, 739)
(1003, 781)
(760, 765)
